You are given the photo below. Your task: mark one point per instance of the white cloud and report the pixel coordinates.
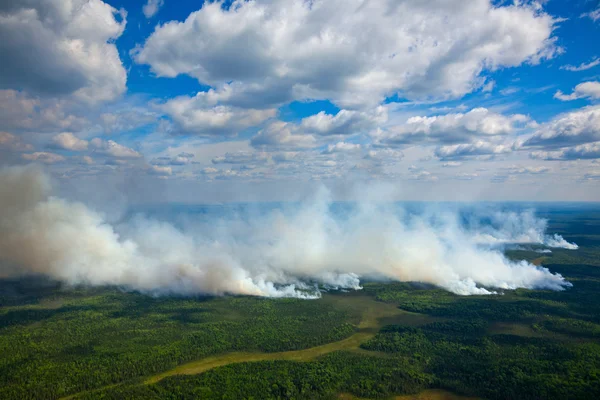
(478, 148)
(209, 170)
(510, 90)
(282, 135)
(62, 47)
(489, 86)
(529, 170)
(582, 66)
(43, 157)
(152, 7)
(572, 128)
(589, 90)
(582, 152)
(113, 149)
(316, 128)
(345, 122)
(452, 164)
(593, 15)
(19, 111)
(203, 115)
(451, 128)
(297, 49)
(68, 141)
(341, 147)
(160, 170)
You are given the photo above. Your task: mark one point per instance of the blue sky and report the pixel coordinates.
(442, 100)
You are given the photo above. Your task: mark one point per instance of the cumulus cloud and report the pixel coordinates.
(280, 254)
(585, 90)
(289, 50)
(113, 149)
(572, 128)
(20, 111)
(75, 40)
(152, 7)
(203, 115)
(478, 148)
(586, 151)
(282, 135)
(68, 141)
(345, 122)
(317, 128)
(451, 128)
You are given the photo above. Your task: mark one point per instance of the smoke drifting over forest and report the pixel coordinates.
(274, 254)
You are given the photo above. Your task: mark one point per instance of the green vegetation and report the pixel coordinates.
(98, 338)
(362, 375)
(386, 340)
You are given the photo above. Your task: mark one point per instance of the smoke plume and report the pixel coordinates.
(276, 254)
(517, 228)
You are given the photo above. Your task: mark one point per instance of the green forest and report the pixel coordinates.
(386, 340)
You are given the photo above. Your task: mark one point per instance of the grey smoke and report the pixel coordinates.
(276, 255)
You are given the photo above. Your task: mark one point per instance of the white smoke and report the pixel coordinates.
(558, 242)
(276, 254)
(517, 228)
